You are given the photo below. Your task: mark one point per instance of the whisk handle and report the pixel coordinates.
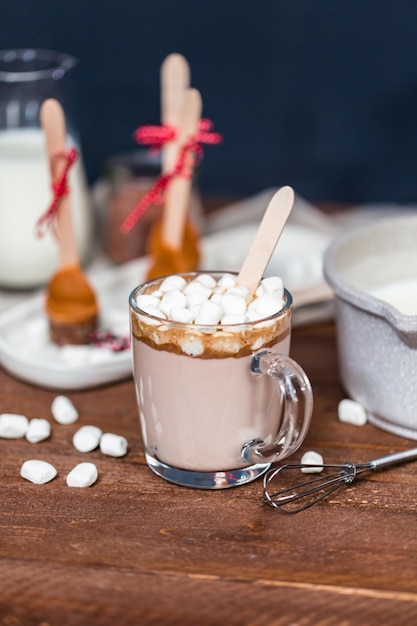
(297, 397)
(392, 459)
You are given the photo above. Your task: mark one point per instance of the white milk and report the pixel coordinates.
(400, 294)
(25, 194)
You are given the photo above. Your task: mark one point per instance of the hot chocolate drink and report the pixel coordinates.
(193, 341)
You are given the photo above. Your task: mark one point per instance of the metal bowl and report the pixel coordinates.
(377, 344)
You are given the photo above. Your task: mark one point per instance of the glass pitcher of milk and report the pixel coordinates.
(27, 78)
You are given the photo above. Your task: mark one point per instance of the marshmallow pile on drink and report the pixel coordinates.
(206, 303)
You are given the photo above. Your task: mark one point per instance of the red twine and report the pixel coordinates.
(156, 136)
(104, 339)
(60, 188)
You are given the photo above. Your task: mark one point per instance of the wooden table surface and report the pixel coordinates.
(136, 550)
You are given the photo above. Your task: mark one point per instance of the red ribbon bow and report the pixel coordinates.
(60, 188)
(156, 136)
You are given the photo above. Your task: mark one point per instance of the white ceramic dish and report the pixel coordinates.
(27, 353)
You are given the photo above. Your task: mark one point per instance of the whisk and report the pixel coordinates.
(301, 496)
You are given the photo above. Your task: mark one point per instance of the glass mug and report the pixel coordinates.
(27, 78)
(217, 404)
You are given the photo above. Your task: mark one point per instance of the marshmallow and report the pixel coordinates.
(172, 282)
(197, 286)
(314, 459)
(195, 299)
(63, 410)
(113, 445)
(174, 298)
(207, 280)
(192, 345)
(253, 316)
(155, 311)
(13, 426)
(233, 318)
(87, 438)
(82, 475)
(146, 300)
(259, 290)
(240, 290)
(273, 284)
(178, 314)
(352, 412)
(234, 303)
(38, 472)
(39, 429)
(209, 313)
(227, 281)
(267, 305)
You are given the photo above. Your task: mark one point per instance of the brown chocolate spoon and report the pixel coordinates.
(174, 241)
(71, 304)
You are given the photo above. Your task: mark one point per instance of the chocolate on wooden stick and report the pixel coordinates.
(174, 241)
(174, 245)
(71, 303)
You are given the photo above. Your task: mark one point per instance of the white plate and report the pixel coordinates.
(298, 257)
(27, 353)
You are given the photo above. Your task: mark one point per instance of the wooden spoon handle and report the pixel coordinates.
(53, 123)
(178, 193)
(175, 79)
(266, 238)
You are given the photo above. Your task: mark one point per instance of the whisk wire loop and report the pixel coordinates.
(301, 496)
(322, 485)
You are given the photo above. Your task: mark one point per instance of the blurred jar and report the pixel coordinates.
(27, 78)
(128, 177)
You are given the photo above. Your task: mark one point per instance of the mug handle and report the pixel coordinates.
(294, 386)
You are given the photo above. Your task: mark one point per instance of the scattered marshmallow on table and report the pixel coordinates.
(87, 438)
(314, 459)
(38, 472)
(351, 412)
(63, 410)
(13, 425)
(39, 429)
(82, 475)
(113, 445)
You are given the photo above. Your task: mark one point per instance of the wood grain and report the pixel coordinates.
(134, 549)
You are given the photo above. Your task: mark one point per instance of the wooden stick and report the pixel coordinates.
(266, 238)
(53, 123)
(175, 79)
(177, 198)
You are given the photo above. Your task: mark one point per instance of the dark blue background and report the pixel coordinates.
(319, 94)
